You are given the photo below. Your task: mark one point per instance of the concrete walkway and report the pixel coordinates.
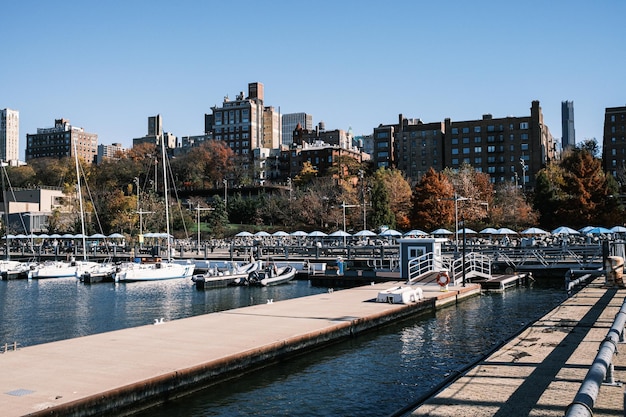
(126, 369)
(540, 371)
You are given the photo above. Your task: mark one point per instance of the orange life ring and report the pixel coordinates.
(443, 278)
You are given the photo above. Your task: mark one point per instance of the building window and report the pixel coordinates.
(524, 147)
(455, 141)
(466, 140)
(466, 151)
(491, 128)
(478, 149)
(455, 161)
(455, 130)
(466, 130)
(478, 160)
(455, 151)
(523, 125)
(491, 149)
(476, 129)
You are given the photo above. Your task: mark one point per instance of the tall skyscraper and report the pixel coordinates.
(568, 135)
(9, 135)
(290, 122)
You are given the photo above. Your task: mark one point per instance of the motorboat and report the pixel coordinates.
(272, 275)
(230, 274)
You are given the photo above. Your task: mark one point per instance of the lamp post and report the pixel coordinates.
(524, 168)
(344, 206)
(456, 216)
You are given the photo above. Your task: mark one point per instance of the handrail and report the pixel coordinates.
(601, 370)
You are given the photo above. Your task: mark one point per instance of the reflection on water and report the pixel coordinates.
(375, 373)
(40, 311)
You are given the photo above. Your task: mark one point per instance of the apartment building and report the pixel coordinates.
(62, 140)
(239, 122)
(508, 149)
(614, 142)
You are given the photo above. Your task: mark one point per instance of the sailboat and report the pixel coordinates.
(72, 268)
(158, 270)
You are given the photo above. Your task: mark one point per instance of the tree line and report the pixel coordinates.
(126, 195)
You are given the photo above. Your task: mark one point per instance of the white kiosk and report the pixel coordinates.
(411, 248)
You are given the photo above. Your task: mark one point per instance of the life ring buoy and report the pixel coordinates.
(443, 278)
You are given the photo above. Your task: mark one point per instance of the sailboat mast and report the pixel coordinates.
(167, 209)
(6, 212)
(80, 201)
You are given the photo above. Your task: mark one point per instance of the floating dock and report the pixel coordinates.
(539, 372)
(132, 369)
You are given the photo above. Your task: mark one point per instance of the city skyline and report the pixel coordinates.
(107, 68)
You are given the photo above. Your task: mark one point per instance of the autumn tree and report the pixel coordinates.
(306, 175)
(474, 193)
(511, 209)
(433, 204)
(400, 195)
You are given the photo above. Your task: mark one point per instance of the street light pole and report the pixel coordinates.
(344, 205)
(524, 167)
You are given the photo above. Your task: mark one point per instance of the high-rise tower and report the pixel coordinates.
(568, 134)
(9, 135)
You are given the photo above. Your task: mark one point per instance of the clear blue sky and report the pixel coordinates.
(108, 66)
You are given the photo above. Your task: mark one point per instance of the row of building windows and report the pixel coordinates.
(490, 149)
(490, 128)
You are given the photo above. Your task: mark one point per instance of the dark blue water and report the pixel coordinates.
(41, 311)
(375, 373)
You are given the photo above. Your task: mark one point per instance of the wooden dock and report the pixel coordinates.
(131, 369)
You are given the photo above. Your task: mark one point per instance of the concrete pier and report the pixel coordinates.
(131, 369)
(539, 372)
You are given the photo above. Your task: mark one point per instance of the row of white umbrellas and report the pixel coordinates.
(563, 230)
(64, 236)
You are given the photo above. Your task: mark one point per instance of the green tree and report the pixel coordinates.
(381, 208)
(218, 218)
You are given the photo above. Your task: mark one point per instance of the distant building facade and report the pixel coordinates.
(239, 122)
(9, 135)
(614, 143)
(289, 123)
(108, 152)
(155, 135)
(508, 149)
(61, 141)
(568, 134)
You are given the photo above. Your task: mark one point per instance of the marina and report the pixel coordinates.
(350, 313)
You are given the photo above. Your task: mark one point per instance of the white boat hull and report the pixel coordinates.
(159, 271)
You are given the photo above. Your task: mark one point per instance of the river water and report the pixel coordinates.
(373, 374)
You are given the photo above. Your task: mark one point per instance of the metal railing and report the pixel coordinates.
(474, 264)
(601, 371)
